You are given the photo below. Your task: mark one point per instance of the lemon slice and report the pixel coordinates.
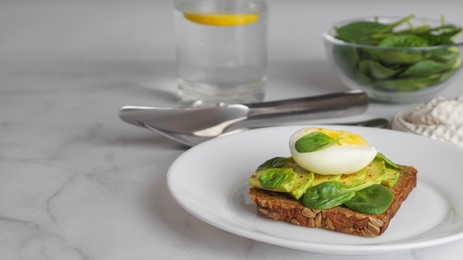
(219, 19)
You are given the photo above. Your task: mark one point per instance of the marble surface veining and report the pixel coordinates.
(78, 183)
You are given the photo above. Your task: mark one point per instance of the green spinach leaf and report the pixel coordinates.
(374, 200)
(425, 67)
(276, 162)
(387, 161)
(397, 57)
(395, 41)
(391, 69)
(376, 70)
(314, 141)
(440, 35)
(408, 84)
(327, 195)
(362, 32)
(450, 55)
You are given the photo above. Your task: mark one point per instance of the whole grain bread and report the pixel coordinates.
(282, 207)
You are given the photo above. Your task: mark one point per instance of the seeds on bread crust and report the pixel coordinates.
(280, 206)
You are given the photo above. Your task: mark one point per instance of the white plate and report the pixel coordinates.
(210, 182)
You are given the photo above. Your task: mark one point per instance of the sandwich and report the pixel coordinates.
(333, 180)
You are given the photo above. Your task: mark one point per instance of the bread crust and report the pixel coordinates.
(282, 207)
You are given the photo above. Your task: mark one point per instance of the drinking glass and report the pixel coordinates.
(221, 51)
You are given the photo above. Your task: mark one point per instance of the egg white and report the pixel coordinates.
(335, 159)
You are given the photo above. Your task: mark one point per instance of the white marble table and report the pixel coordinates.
(78, 183)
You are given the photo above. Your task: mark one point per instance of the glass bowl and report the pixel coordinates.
(390, 73)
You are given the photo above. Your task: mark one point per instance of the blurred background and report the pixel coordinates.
(137, 36)
(142, 30)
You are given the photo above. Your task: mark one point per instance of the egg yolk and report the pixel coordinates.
(344, 137)
(346, 152)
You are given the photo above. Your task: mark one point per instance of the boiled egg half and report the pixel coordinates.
(330, 152)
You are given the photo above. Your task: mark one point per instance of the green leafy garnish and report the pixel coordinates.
(276, 162)
(374, 200)
(387, 161)
(366, 198)
(407, 40)
(364, 32)
(390, 68)
(330, 194)
(314, 141)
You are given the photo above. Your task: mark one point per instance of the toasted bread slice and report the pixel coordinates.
(280, 206)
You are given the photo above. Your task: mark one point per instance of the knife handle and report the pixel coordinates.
(339, 104)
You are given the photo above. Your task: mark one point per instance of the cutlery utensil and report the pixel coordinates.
(191, 126)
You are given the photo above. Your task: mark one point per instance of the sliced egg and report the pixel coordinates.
(335, 152)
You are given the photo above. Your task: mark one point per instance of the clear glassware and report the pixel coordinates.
(385, 73)
(221, 51)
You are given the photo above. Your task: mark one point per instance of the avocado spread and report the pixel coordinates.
(366, 190)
